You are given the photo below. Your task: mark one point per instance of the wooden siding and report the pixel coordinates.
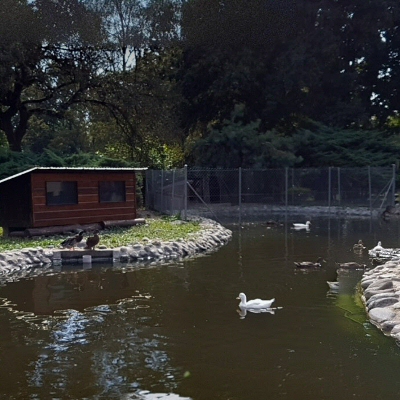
(15, 209)
(89, 209)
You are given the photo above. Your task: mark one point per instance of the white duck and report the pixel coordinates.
(334, 286)
(253, 304)
(378, 247)
(302, 226)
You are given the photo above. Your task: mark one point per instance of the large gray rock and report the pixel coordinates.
(382, 302)
(379, 315)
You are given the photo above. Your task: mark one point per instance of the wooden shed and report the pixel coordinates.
(43, 197)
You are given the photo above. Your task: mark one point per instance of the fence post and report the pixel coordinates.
(154, 190)
(173, 192)
(286, 187)
(147, 189)
(393, 184)
(370, 189)
(240, 195)
(339, 194)
(185, 192)
(329, 188)
(162, 192)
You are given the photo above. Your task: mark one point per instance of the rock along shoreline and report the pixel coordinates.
(380, 289)
(17, 264)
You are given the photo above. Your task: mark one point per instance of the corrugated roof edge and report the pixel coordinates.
(73, 169)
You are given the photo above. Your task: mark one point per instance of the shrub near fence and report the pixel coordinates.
(209, 191)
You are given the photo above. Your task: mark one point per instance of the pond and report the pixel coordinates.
(173, 331)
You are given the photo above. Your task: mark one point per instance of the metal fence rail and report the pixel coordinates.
(241, 192)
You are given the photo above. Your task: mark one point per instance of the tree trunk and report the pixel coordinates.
(14, 134)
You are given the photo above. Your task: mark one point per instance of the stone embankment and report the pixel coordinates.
(20, 263)
(381, 292)
(211, 237)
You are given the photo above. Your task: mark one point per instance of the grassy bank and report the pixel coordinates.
(163, 229)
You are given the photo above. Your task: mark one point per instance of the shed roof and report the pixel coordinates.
(47, 169)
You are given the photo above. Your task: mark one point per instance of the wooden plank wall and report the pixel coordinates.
(15, 210)
(89, 209)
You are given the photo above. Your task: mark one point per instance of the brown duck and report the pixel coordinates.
(309, 264)
(351, 265)
(359, 246)
(93, 241)
(71, 242)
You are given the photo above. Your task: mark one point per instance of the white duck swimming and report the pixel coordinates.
(302, 226)
(253, 304)
(334, 286)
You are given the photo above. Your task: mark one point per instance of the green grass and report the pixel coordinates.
(158, 229)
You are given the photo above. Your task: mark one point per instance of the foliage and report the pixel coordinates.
(289, 62)
(140, 112)
(63, 136)
(135, 27)
(321, 145)
(237, 144)
(48, 61)
(154, 82)
(12, 163)
(154, 229)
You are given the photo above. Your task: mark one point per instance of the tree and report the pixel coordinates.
(49, 59)
(335, 62)
(141, 95)
(142, 115)
(135, 27)
(237, 144)
(323, 145)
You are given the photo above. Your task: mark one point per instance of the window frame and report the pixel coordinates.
(64, 186)
(108, 189)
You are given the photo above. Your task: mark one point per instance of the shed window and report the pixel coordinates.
(111, 191)
(61, 193)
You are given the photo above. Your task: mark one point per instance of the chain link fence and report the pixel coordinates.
(229, 194)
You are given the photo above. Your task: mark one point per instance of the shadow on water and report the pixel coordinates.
(174, 331)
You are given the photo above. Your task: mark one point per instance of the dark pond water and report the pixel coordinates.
(173, 331)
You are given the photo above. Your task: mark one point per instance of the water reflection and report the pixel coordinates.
(171, 332)
(333, 286)
(72, 289)
(146, 395)
(102, 346)
(243, 313)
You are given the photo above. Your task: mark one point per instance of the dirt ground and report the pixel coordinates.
(148, 214)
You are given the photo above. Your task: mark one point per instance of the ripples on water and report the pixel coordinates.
(173, 331)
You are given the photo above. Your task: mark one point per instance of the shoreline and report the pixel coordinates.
(380, 294)
(17, 264)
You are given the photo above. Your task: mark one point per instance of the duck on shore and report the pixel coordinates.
(72, 241)
(378, 247)
(93, 241)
